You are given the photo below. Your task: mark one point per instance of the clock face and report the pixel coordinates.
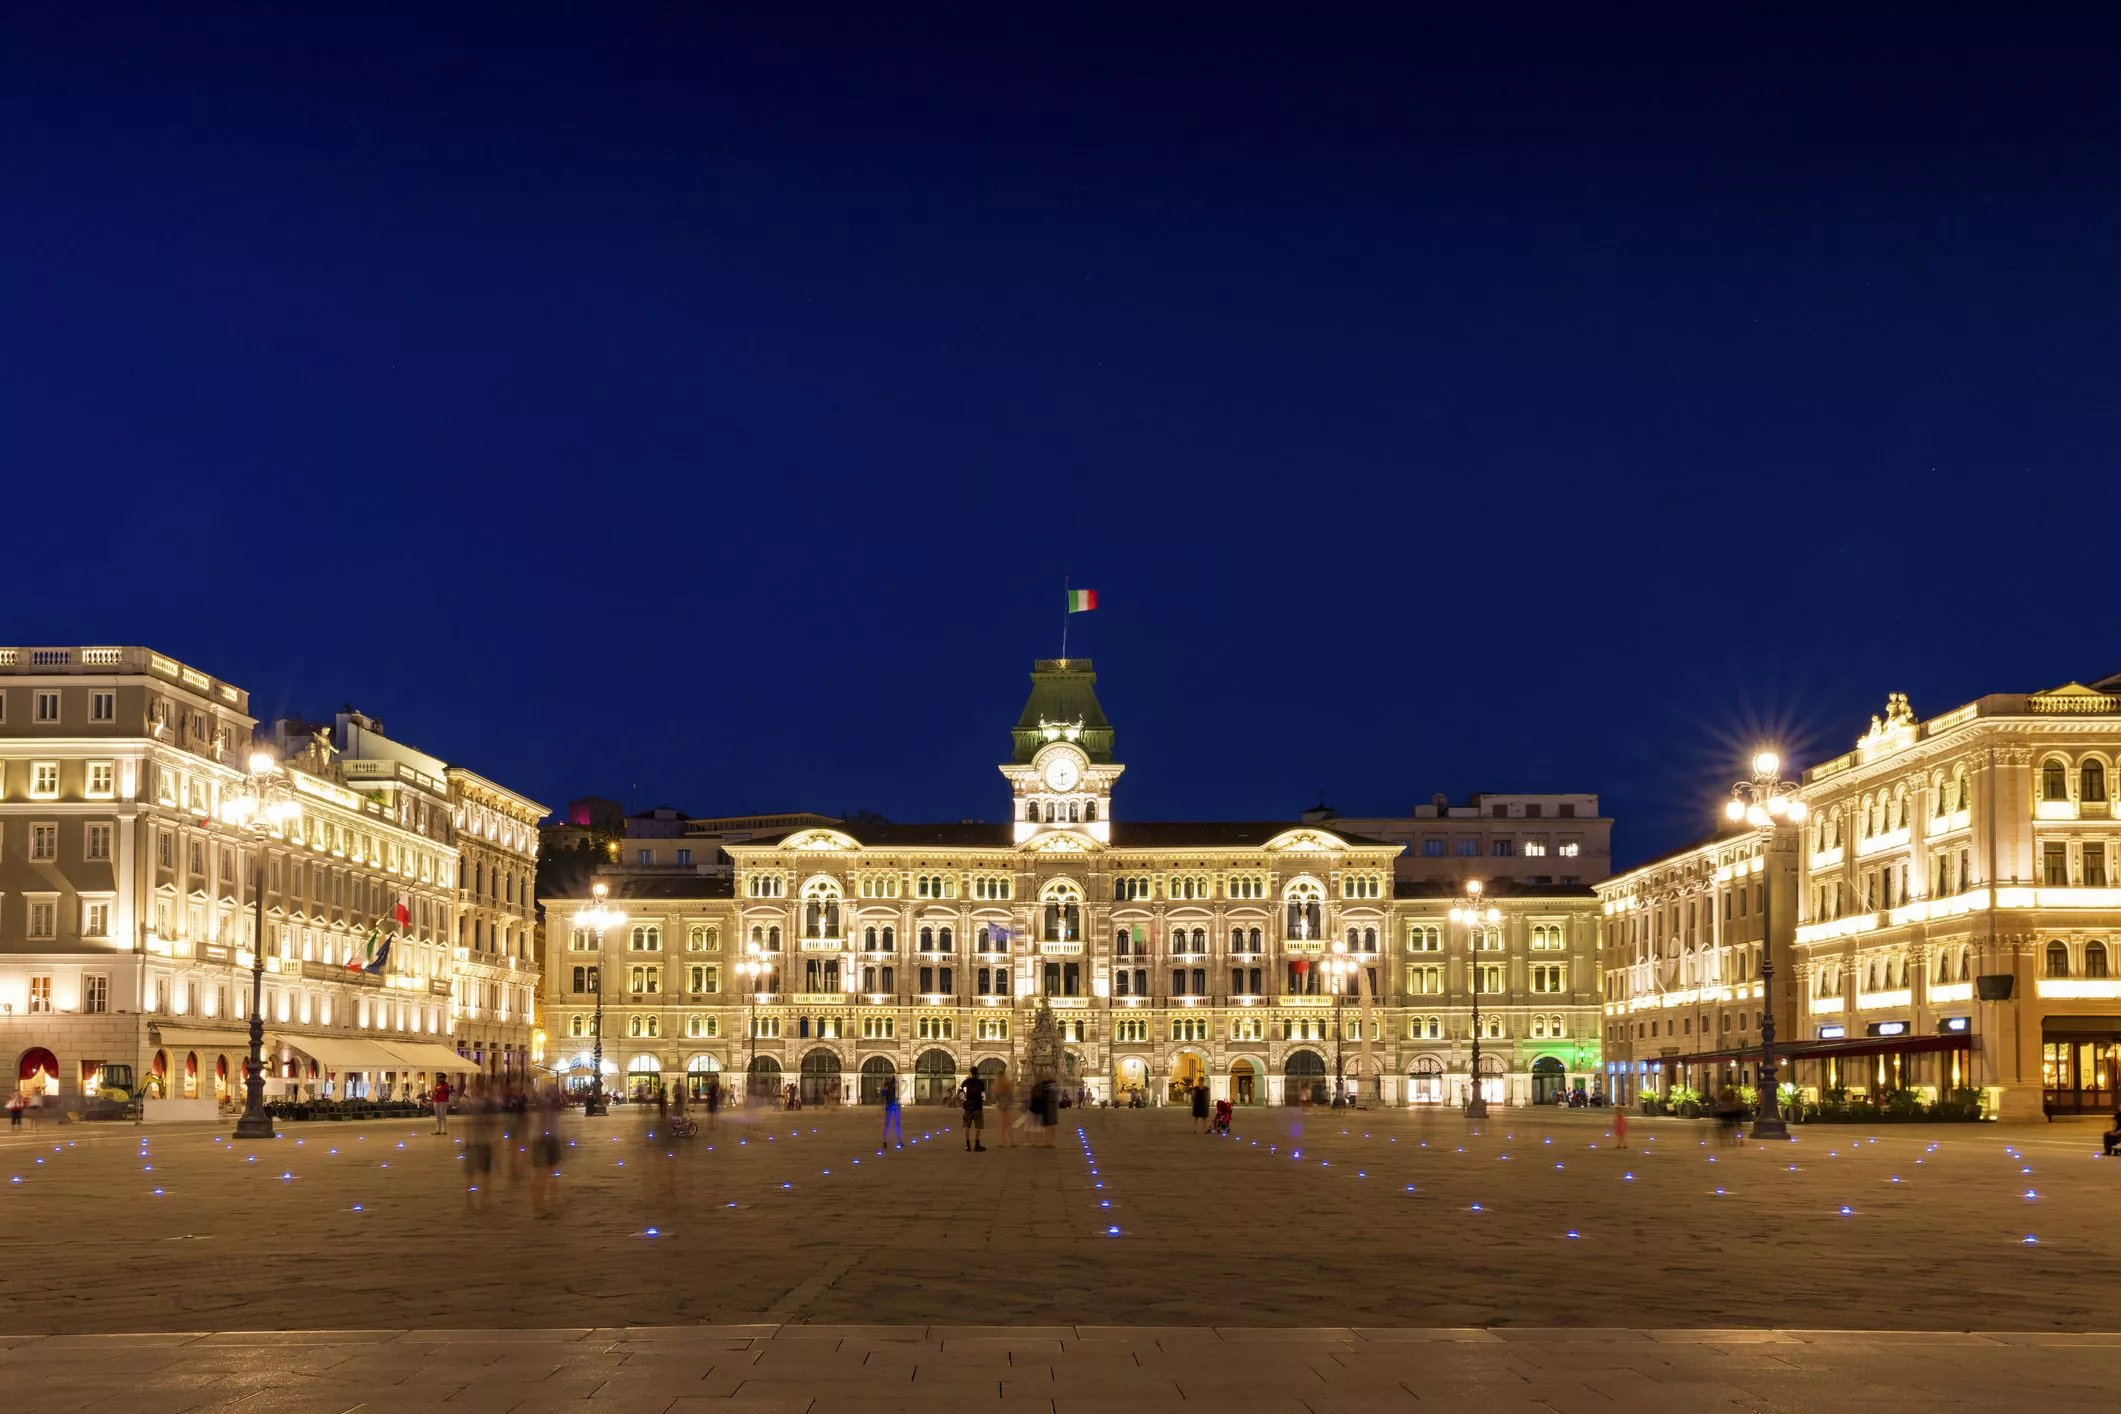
(1062, 773)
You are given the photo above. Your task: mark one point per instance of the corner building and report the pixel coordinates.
(1166, 951)
(1961, 905)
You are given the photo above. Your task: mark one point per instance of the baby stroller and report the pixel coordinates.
(1222, 1116)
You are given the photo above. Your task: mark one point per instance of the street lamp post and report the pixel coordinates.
(599, 917)
(1767, 802)
(753, 969)
(1475, 917)
(1338, 969)
(261, 802)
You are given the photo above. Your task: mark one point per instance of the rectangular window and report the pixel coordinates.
(2095, 866)
(40, 994)
(1178, 981)
(102, 780)
(95, 994)
(1503, 849)
(47, 707)
(95, 920)
(1535, 848)
(103, 706)
(1432, 848)
(1468, 846)
(44, 841)
(44, 780)
(43, 919)
(97, 845)
(2054, 862)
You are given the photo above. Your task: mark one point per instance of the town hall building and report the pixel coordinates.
(1276, 960)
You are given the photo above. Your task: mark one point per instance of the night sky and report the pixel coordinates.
(707, 409)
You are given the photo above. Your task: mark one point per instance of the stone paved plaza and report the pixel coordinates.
(1343, 1263)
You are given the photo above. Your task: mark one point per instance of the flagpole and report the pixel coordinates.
(1066, 610)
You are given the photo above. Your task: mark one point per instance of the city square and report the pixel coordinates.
(777, 1233)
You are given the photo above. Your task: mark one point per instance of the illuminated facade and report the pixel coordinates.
(127, 902)
(1681, 954)
(1165, 952)
(1961, 906)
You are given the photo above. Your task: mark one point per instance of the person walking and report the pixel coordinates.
(441, 1104)
(1049, 1111)
(15, 1107)
(973, 1096)
(1620, 1127)
(894, 1133)
(1005, 1106)
(1200, 1106)
(714, 1105)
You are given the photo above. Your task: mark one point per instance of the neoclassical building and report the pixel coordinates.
(1961, 905)
(1266, 957)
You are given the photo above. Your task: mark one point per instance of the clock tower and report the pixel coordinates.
(1061, 772)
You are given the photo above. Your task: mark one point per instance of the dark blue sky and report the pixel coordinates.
(633, 401)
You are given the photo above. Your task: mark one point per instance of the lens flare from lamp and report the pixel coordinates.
(1767, 763)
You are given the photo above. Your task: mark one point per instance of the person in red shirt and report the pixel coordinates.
(441, 1099)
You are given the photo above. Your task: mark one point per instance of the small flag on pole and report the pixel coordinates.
(1081, 600)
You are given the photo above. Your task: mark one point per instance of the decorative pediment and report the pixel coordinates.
(1060, 842)
(1890, 733)
(820, 841)
(1306, 841)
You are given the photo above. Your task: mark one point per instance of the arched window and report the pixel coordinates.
(1031, 813)
(2058, 959)
(945, 939)
(821, 909)
(1075, 813)
(2091, 781)
(927, 940)
(773, 938)
(1090, 811)
(890, 939)
(1369, 940)
(1049, 813)
(1304, 907)
(1966, 964)
(1061, 916)
(869, 939)
(2054, 780)
(2095, 959)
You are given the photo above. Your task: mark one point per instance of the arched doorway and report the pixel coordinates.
(876, 1071)
(702, 1073)
(990, 1070)
(1304, 1076)
(1493, 1087)
(1133, 1080)
(1244, 1083)
(1187, 1070)
(38, 1072)
(191, 1075)
(821, 1077)
(644, 1077)
(762, 1083)
(1549, 1080)
(158, 1076)
(220, 1077)
(934, 1078)
(1425, 1084)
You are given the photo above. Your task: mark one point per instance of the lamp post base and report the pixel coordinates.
(1765, 1128)
(593, 1106)
(255, 1126)
(1477, 1107)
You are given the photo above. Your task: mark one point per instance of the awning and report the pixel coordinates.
(425, 1055)
(342, 1053)
(177, 1038)
(1879, 1046)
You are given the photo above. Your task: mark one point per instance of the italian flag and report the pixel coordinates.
(1081, 600)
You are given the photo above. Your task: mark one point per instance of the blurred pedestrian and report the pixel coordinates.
(1005, 1107)
(1200, 1106)
(893, 1132)
(440, 1098)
